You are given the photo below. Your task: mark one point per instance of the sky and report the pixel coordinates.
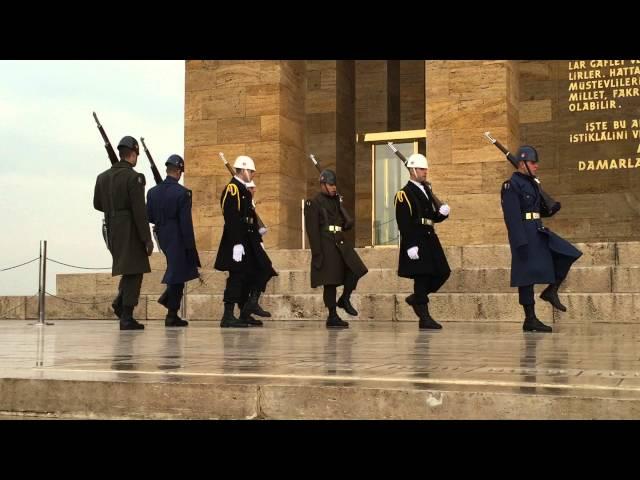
(51, 152)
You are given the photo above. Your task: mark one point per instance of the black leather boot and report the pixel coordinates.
(531, 322)
(334, 321)
(229, 320)
(127, 322)
(173, 320)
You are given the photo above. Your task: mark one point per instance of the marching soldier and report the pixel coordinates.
(421, 255)
(119, 193)
(334, 260)
(169, 209)
(537, 254)
(261, 232)
(240, 252)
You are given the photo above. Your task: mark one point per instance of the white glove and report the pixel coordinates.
(413, 253)
(262, 245)
(238, 251)
(262, 231)
(444, 209)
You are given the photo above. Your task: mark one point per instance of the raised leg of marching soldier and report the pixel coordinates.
(234, 292)
(334, 260)
(421, 255)
(562, 264)
(261, 287)
(329, 298)
(423, 285)
(264, 275)
(350, 284)
(248, 303)
(117, 304)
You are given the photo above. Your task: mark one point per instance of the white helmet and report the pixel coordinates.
(417, 160)
(244, 162)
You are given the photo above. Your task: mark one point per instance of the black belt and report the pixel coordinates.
(333, 228)
(248, 220)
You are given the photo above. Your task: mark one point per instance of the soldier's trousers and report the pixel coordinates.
(239, 284)
(329, 292)
(525, 295)
(174, 296)
(423, 285)
(129, 290)
(262, 278)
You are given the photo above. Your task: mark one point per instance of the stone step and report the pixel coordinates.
(472, 256)
(583, 308)
(592, 279)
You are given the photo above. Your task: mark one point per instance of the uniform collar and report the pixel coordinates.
(170, 179)
(240, 180)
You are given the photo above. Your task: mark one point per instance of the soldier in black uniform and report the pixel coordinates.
(537, 254)
(259, 233)
(169, 209)
(119, 193)
(334, 260)
(240, 252)
(421, 256)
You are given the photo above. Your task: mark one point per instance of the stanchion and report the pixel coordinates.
(42, 280)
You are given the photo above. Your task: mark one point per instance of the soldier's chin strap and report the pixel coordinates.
(535, 179)
(325, 190)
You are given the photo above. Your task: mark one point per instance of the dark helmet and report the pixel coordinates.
(328, 176)
(527, 153)
(130, 143)
(175, 160)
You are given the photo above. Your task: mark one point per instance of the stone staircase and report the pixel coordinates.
(603, 286)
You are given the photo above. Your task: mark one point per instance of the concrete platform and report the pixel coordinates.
(299, 370)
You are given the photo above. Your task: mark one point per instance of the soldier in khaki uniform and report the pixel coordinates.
(334, 260)
(119, 193)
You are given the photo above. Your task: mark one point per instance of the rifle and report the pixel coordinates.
(114, 159)
(548, 205)
(107, 143)
(154, 169)
(348, 221)
(232, 171)
(436, 201)
(158, 180)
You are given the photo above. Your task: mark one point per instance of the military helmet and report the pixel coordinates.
(176, 160)
(417, 160)
(527, 153)
(328, 176)
(130, 143)
(244, 162)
